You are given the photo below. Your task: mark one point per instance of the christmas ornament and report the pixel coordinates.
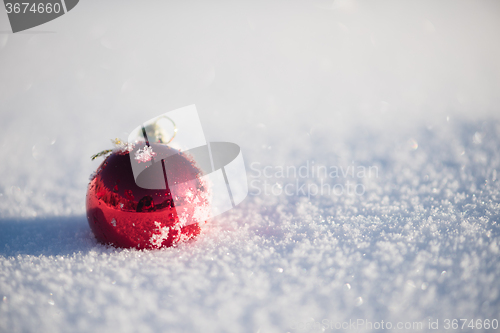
(124, 214)
(160, 186)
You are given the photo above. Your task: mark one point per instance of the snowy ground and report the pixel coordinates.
(409, 89)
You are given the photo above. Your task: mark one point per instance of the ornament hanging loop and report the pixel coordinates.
(159, 133)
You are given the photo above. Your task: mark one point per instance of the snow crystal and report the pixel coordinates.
(145, 154)
(201, 213)
(122, 146)
(92, 176)
(157, 239)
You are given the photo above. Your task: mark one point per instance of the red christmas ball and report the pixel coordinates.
(163, 205)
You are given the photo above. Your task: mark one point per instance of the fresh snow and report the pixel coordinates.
(395, 100)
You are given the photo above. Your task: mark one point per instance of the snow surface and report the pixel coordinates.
(407, 88)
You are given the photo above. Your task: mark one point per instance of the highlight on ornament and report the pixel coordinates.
(161, 186)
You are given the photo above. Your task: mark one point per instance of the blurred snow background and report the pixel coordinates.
(409, 87)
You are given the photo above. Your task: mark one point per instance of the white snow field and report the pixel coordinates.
(403, 93)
